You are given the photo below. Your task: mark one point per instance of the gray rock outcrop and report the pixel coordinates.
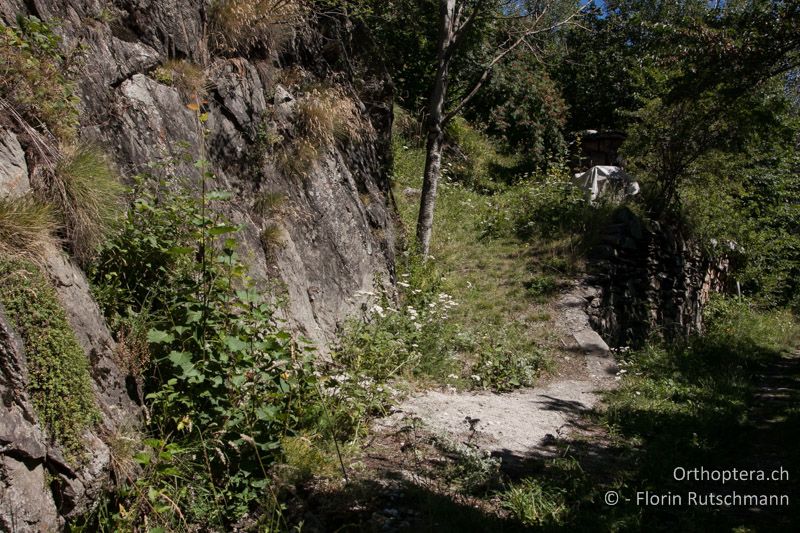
(334, 226)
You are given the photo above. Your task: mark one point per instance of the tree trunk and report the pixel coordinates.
(433, 170)
(435, 128)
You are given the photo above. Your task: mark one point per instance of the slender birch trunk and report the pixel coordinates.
(435, 129)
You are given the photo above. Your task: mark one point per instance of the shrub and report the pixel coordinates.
(26, 226)
(87, 194)
(243, 25)
(506, 360)
(541, 286)
(58, 370)
(472, 156)
(226, 384)
(547, 207)
(34, 79)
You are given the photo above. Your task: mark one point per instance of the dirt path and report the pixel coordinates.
(524, 422)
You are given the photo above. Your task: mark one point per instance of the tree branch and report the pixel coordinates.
(532, 30)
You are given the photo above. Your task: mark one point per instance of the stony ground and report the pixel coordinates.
(524, 422)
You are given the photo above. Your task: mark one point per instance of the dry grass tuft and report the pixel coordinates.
(87, 194)
(26, 227)
(328, 115)
(273, 238)
(268, 203)
(242, 25)
(323, 117)
(189, 78)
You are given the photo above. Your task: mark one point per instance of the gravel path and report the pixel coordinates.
(524, 422)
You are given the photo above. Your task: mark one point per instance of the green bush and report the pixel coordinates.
(475, 160)
(506, 360)
(58, 370)
(543, 206)
(227, 383)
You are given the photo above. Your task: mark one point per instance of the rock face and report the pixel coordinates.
(652, 281)
(331, 238)
(13, 168)
(38, 487)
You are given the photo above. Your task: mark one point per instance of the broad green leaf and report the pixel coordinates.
(235, 344)
(155, 336)
(180, 358)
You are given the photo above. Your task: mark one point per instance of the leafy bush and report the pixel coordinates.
(87, 194)
(226, 383)
(523, 106)
(505, 360)
(34, 77)
(746, 208)
(26, 226)
(541, 286)
(58, 370)
(469, 155)
(544, 206)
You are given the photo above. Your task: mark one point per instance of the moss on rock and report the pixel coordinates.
(58, 369)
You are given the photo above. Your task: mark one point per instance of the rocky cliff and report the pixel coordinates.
(144, 72)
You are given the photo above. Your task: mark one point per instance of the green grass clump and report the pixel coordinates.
(535, 504)
(26, 226)
(58, 370)
(87, 193)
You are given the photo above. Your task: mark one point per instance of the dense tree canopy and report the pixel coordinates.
(706, 92)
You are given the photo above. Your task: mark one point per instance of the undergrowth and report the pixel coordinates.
(226, 385)
(461, 318)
